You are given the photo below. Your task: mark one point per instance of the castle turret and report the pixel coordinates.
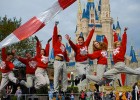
(79, 17)
(106, 22)
(84, 23)
(118, 28)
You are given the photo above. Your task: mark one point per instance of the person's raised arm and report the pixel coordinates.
(55, 35)
(124, 39)
(38, 46)
(105, 41)
(3, 54)
(47, 48)
(87, 42)
(70, 42)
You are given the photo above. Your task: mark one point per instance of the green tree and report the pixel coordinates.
(7, 26)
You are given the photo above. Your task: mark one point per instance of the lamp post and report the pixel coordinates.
(72, 79)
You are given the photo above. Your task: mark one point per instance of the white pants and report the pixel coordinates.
(6, 77)
(60, 70)
(30, 79)
(118, 68)
(41, 78)
(82, 69)
(100, 72)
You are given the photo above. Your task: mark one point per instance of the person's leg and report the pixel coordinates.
(108, 76)
(4, 83)
(129, 70)
(29, 82)
(80, 69)
(12, 77)
(57, 70)
(46, 77)
(64, 78)
(100, 73)
(39, 82)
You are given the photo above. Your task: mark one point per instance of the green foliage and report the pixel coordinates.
(72, 88)
(7, 26)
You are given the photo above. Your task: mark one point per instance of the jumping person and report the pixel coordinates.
(7, 67)
(99, 53)
(42, 63)
(118, 58)
(81, 57)
(30, 63)
(60, 61)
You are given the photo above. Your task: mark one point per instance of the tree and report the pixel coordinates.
(7, 26)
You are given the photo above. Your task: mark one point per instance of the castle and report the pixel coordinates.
(99, 15)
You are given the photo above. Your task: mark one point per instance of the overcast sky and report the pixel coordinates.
(128, 12)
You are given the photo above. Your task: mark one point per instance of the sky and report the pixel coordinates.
(127, 11)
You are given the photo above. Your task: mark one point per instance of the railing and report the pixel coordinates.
(43, 97)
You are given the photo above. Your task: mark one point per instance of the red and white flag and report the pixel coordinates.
(35, 23)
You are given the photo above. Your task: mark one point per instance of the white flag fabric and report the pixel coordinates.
(36, 23)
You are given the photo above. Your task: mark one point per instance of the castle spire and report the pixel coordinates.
(118, 24)
(133, 55)
(79, 7)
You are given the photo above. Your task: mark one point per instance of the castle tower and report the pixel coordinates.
(118, 28)
(79, 16)
(84, 23)
(106, 22)
(92, 16)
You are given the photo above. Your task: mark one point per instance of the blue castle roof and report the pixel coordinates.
(118, 25)
(99, 6)
(86, 12)
(114, 27)
(133, 55)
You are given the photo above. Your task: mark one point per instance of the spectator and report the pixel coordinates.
(18, 93)
(89, 95)
(82, 95)
(72, 96)
(9, 91)
(50, 95)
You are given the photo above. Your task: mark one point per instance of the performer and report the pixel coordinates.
(7, 67)
(81, 57)
(60, 61)
(118, 58)
(100, 53)
(42, 63)
(30, 63)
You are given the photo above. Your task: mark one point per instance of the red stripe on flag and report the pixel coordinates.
(65, 3)
(29, 28)
(123, 78)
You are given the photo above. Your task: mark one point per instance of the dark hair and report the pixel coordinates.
(81, 37)
(44, 51)
(59, 36)
(29, 51)
(10, 53)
